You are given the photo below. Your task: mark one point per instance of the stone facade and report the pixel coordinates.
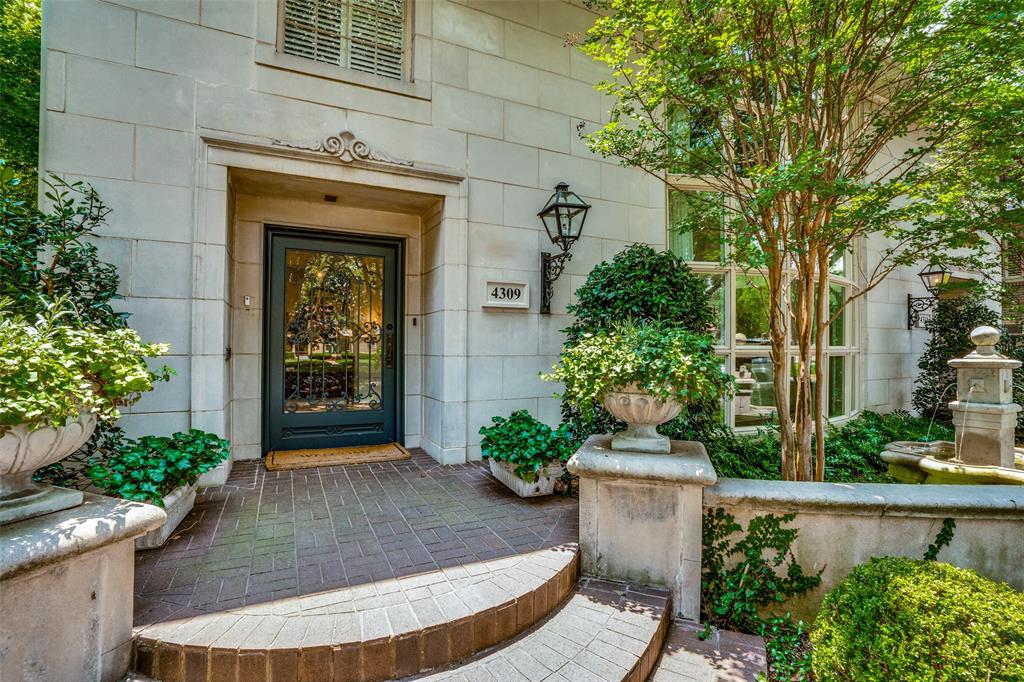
(181, 113)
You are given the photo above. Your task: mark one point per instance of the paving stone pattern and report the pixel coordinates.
(372, 570)
(607, 632)
(723, 657)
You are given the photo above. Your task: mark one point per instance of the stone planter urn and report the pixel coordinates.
(22, 451)
(544, 485)
(642, 413)
(177, 504)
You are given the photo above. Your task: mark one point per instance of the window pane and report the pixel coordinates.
(694, 136)
(751, 309)
(794, 372)
(717, 291)
(837, 331)
(695, 225)
(839, 265)
(754, 402)
(837, 386)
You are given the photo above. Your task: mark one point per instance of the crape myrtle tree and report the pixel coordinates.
(815, 124)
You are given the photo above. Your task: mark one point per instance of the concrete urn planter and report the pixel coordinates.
(642, 413)
(544, 485)
(177, 504)
(22, 451)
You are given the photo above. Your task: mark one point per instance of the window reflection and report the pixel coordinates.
(332, 331)
(754, 402)
(752, 310)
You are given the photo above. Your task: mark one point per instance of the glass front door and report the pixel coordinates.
(333, 343)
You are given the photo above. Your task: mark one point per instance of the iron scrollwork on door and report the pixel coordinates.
(333, 311)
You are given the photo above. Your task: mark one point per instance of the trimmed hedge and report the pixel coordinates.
(915, 621)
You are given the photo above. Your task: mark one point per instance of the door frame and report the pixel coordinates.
(270, 230)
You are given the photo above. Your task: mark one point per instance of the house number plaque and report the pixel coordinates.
(506, 294)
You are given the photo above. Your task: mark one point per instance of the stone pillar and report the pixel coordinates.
(641, 514)
(66, 591)
(984, 413)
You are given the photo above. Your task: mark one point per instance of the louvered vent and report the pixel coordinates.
(364, 35)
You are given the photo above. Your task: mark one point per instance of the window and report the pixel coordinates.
(363, 35)
(695, 233)
(1013, 276)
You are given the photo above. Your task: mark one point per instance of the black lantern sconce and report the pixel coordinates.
(563, 217)
(934, 277)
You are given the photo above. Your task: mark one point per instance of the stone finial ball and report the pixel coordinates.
(985, 336)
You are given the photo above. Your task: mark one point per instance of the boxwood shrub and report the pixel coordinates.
(902, 619)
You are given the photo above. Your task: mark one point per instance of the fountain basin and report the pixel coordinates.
(936, 462)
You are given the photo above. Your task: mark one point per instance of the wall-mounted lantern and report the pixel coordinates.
(563, 217)
(934, 278)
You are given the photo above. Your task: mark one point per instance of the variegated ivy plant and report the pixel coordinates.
(665, 361)
(52, 368)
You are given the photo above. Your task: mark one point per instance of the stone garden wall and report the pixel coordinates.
(842, 525)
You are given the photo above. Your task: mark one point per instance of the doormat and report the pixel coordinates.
(330, 457)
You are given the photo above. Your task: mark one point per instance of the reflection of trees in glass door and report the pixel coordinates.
(333, 352)
(333, 331)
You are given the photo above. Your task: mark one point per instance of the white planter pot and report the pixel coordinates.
(642, 413)
(177, 504)
(22, 451)
(544, 485)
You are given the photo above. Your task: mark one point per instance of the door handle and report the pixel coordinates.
(389, 350)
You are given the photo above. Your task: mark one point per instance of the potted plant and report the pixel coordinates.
(163, 471)
(641, 374)
(56, 379)
(525, 454)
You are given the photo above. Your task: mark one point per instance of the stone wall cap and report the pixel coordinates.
(995, 361)
(870, 499)
(97, 522)
(687, 463)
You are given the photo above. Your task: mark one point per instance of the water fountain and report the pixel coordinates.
(984, 418)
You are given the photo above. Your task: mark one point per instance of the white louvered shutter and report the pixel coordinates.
(364, 35)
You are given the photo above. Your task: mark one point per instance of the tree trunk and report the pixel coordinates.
(778, 318)
(821, 338)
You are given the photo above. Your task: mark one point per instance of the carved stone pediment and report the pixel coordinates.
(346, 147)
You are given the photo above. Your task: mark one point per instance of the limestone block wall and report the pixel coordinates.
(844, 525)
(148, 100)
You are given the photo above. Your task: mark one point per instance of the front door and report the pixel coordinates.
(333, 352)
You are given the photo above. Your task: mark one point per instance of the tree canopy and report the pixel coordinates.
(20, 24)
(823, 123)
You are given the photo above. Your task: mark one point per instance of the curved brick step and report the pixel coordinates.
(605, 632)
(376, 631)
(723, 657)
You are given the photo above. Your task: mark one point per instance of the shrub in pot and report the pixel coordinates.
(641, 374)
(56, 379)
(903, 619)
(160, 470)
(525, 454)
(641, 283)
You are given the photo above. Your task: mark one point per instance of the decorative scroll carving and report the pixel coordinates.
(346, 147)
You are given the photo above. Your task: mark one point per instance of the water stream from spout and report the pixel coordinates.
(931, 423)
(958, 442)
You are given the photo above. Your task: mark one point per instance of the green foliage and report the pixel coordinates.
(49, 369)
(20, 29)
(902, 619)
(950, 328)
(45, 257)
(149, 468)
(72, 471)
(942, 539)
(644, 285)
(789, 108)
(526, 442)
(853, 449)
(738, 580)
(666, 361)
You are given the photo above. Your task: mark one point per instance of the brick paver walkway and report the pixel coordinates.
(267, 536)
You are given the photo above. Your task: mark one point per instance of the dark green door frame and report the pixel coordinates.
(290, 429)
